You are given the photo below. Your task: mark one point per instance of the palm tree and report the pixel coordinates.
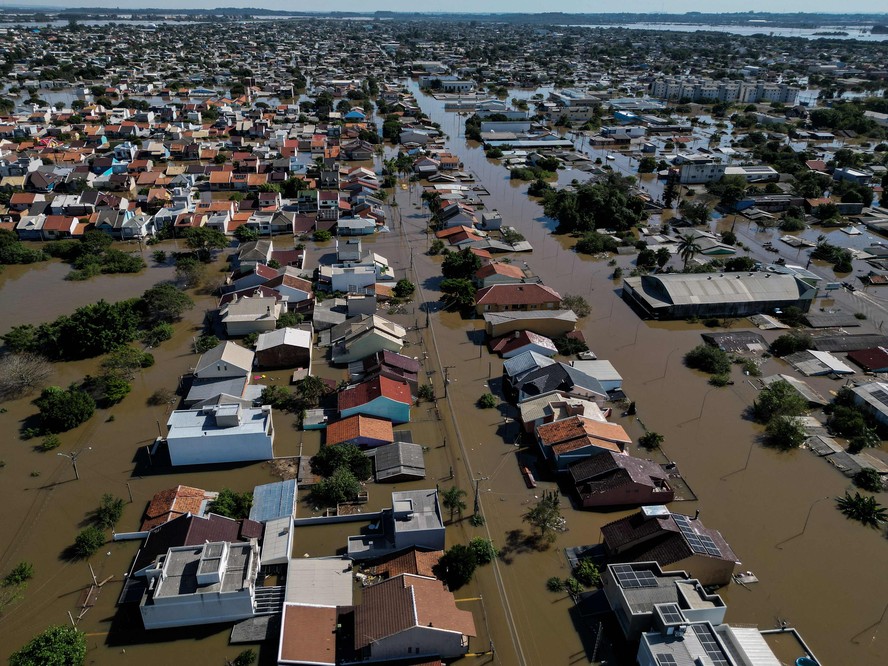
(862, 508)
(688, 248)
(311, 389)
(452, 499)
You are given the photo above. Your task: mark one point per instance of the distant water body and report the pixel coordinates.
(769, 30)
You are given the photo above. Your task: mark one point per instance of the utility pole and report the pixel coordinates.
(447, 378)
(478, 480)
(73, 456)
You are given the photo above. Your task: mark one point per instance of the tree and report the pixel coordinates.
(231, 504)
(729, 238)
(125, 361)
(109, 512)
(790, 343)
(322, 235)
(55, 646)
(452, 500)
(203, 240)
(20, 574)
(651, 440)
(708, 358)
(311, 389)
(88, 541)
(458, 294)
(578, 304)
(730, 189)
(404, 288)
(688, 248)
(587, 573)
(164, 303)
(64, 409)
(545, 517)
(339, 487)
(862, 508)
(189, 271)
(425, 392)
(205, 343)
(278, 397)
(593, 242)
(740, 265)
(22, 372)
(157, 334)
(245, 658)
(484, 550)
(646, 259)
(696, 213)
(869, 479)
(778, 399)
(289, 319)
(785, 432)
(460, 265)
(647, 164)
(457, 566)
(436, 246)
(568, 345)
(487, 401)
(331, 458)
(663, 257)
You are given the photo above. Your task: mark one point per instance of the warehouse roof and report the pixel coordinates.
(702, 288)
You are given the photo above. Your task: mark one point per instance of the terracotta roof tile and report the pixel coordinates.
(308, 634)
(359, 426)
(517, 294)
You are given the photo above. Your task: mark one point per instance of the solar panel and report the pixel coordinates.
(671, 614)
(698, 543)
(707, 640)
(666, 660)
(630, 579)
(880, 395)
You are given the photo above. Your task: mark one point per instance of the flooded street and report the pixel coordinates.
(818, 571)
(757, 497)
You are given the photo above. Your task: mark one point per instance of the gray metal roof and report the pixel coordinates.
(319, 581)
(399, 458)
(711, 288)
(274, 500)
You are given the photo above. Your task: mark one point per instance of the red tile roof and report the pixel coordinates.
(508, 270)
(517, 294)
(359, 426)
(173, 502)
(308, 634)
(375, 388)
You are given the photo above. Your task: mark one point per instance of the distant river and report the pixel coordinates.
(862, 34)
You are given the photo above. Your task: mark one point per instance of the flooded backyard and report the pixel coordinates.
(819, 572)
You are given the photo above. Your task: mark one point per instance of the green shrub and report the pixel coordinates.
(50, 442)
(487, 401)
(88, 541)
(708, 359)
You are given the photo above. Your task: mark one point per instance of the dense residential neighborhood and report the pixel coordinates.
(420, 339)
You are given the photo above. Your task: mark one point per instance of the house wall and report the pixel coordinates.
(708, 570)
(481, 308)
(634, 494)
(194, 609)
(367, 345)
(382, 407)
(204, 450)
(420, 640)
(551, 328)
(350, 279)
(237, 328)
(284, 356)
(432, 539)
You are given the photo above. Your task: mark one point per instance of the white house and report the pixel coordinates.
(203, 584)
(220, 434)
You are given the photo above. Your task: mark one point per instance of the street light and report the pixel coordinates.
(779, 544)
(73, 456)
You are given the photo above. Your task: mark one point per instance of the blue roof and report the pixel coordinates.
(274, 500)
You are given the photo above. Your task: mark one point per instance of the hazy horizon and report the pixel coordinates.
(485, 6)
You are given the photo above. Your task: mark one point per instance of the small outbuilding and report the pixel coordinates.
(284, 348)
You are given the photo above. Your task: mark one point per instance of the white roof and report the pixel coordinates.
(319, 581)
(294, 337)
(601, 370)
(832, 362)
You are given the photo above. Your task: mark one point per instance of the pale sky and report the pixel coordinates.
(488, 6)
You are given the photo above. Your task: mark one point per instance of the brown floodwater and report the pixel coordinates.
(826, 579)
